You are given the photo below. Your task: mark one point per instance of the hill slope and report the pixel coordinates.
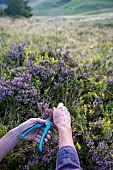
(64, 7)
(68, 7)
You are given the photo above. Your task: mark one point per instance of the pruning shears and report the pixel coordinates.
(46, 126)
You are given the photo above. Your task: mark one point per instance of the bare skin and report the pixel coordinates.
(11, 139)
(62, 120)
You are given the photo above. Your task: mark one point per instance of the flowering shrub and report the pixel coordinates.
(17, 54)
(5, 90)
(33, 82)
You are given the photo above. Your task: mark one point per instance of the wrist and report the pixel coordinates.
(16, 132)
(65, 131)
(65, 136)
(64, 128)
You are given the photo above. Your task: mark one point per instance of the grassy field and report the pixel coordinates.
(82, 34)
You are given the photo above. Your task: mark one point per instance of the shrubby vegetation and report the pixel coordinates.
(18, 8)
(32, 81)
(2, 12)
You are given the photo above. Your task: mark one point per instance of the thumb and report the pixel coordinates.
(54, 109)
(39, 120)
(60, 105)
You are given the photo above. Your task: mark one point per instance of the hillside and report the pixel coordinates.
(68, 7)
(65, 7)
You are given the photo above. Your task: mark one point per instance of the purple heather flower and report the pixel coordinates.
(87, 65)
(17, 53)
(111, 134)
(101, 145)
(109, 80)
(40, 105)
(45, 61)
(29, 63)
(67, 52)
(58, 52)
(98, 100)
(17, 81)
(22, 80)
(84, 75)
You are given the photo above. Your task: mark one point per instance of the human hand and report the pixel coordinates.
(11, 139)
(62, 120)
(61, 116)
(36, 134)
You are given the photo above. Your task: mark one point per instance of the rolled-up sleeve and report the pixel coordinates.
(67, 159)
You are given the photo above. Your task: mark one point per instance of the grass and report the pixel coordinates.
(78, 33)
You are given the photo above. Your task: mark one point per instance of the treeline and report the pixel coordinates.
(16, 8)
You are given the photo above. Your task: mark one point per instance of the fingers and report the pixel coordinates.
(54, 109)
(37, 120)
(60, 105)
(38, 137)
(48, 136)
(36, 140)
(32, 136)
(40, 132)
(61, 116)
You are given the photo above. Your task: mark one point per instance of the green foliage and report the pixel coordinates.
(3, 130)
(18, 8)
(2, 12)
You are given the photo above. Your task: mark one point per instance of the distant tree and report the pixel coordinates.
(17, 8)
(2, 12)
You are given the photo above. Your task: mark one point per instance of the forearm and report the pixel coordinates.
(65, 137)
(8, 142)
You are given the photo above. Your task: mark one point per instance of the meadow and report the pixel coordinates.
(47, 60)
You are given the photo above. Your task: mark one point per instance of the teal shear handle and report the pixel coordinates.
(38, 125)
(46, 129)
(30, 130)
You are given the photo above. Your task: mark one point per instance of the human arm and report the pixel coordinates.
(67, 157)
(62, 120)
(11, 139)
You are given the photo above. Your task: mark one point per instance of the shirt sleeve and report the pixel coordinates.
(67, 159)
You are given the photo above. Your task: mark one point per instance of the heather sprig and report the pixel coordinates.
(6, 90)
(24, 91)
(17, 54)
(101, 154)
